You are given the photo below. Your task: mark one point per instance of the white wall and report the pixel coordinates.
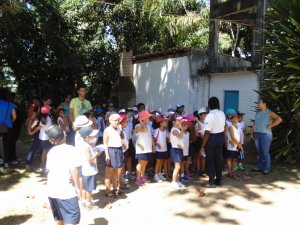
(245, 82)
(161, 84)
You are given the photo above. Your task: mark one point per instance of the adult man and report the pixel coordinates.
(79, 105)
(213, 141)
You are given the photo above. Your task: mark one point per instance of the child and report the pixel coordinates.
(160, 140)
(143, 147)
(89, 164)
(233, 141)
(45, 123)
(202, 112)
(242, 127)
(186, 143)
(80, 121)
(62, 177)
(112, 141)
(176, 138)
(125, 144)
(101, 125)
(62, 121)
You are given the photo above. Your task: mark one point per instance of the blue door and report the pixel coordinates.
(231, 100)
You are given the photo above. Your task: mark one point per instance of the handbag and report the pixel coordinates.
(3, 127)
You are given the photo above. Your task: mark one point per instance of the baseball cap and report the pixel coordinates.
(179, 106)
(178, 117)
(87, 131)
(46, 109)
(202, 110)
(190, 117)
(160, 118)
(114, 116)
(144, 115)
(55, 133)
(240, 113)
(122, 111)
(82, 121)
(230, 111)
(123, 117)
(185, 121)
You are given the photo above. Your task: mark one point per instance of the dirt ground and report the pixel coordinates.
(252, 199)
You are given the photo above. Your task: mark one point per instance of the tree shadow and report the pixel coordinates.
(14, 219)
(100, 221)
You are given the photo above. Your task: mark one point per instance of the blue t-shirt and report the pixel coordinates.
(3, 109)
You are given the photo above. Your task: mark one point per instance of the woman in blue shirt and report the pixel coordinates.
(7, 116)
(261, 133)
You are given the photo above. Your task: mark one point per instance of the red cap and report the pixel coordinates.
(144, 115)
(159, 119)
(45, 109)
(122, 117)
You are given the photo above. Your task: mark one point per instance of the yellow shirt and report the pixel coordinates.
(80, 107)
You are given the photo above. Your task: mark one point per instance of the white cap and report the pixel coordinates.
(202, 110)
(114, 116)
(82, 121)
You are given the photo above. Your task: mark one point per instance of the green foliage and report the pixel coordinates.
(281, 83)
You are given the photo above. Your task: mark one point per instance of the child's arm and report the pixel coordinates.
(90, 157)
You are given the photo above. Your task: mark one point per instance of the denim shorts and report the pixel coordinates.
(46, 144)
(144, 156)
(89, 183)
(162, 155)
(176, 155)
(65, 209)
(116, 157)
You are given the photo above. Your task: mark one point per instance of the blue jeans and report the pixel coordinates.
(263, 143)
(35, 146)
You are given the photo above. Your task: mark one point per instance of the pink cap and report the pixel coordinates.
(122, 117)
(45, 109)
(144, 115)
(185, 121)
(190, 117)
(159, 119)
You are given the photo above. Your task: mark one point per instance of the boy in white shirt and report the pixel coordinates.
(62, 181)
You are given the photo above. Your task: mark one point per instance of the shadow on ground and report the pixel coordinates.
(14, 219)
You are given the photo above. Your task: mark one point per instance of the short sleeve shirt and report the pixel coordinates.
(215, 121)
(80, 107)
(60, 162)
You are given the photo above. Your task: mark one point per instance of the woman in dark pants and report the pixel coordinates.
(213, 141)
(7, 116)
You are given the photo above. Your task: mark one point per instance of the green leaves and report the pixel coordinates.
(281, 83)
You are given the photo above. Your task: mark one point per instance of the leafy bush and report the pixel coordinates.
(281, 81)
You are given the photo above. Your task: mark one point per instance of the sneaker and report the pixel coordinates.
(236, 167)
(28, 168)
(184, 179)
(240, 167)
(175, 185)
(130, 176)
(14, 162)
(145, 179)
(181, 185)
(90, 206)
(161, 177)
(157, 178)
(139, 181)
(6, 165)
(124, 178)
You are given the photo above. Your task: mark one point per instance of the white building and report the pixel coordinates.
(161, 80)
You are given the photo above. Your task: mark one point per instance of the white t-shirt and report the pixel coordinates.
(44, 127)
(174, 140)
(114, 138)
(241, 125)
(145, 139)
(186, 143)
(161, 138)
(236, 133)
(215, 121)
(60, 161)
(88, 169)
(202, 128)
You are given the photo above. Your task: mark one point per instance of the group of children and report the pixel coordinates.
(136, 138)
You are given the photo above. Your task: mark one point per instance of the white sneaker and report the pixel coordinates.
(181, 185)
(175, 185)
(157, 178)
(124, 177)
(161, 177)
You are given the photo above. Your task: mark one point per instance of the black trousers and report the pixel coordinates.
(8, 146)
(213, 150)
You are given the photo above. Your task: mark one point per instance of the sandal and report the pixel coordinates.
(109, 194)
(117, 192)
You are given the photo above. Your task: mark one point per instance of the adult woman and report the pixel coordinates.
(261, 133)
(7, 117)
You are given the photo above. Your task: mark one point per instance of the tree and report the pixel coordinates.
(281, 81)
